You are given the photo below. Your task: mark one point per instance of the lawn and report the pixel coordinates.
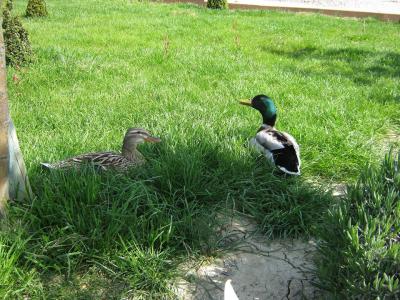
(111, 65)
(179, 71)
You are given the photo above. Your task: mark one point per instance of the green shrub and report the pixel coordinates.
(359, 250)
(16, 39)
(217, 4)
(7, 13)
(36, 8)
(9, 5)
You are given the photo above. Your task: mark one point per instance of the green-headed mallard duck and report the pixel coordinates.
(280, 148)
(128, 157)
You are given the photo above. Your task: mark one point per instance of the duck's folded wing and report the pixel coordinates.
(292, 141)
(296, 146)
(286, 160)
(284, 149)
(270, 139)
(103, 159)
(99, 159)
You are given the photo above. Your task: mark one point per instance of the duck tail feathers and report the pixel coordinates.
(289, 172)
(47, 166)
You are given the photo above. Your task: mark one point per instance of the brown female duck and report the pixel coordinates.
(129, 156)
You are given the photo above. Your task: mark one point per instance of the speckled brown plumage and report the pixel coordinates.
(129, 156)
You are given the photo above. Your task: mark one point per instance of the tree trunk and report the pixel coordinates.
(14, 182)
(4, 120)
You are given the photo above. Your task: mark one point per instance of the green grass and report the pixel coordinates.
(178, 70)
(359, 251)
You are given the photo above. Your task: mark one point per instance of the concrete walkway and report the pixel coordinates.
(260, 269)
(386, 10)
(373, 6)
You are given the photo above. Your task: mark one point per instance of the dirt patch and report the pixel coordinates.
(258, 268)
(391, 140)
(339, 190)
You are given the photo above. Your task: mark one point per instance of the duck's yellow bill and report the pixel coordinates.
(245, 102)
(152, 139)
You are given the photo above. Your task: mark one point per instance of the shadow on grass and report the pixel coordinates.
(362, 66)
(137, 228)
(92, 284)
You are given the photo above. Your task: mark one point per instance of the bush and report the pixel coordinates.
(36, 8)
(217, 4)
(16, 39)
(7, 13)
(9, 5)
(359, 250)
